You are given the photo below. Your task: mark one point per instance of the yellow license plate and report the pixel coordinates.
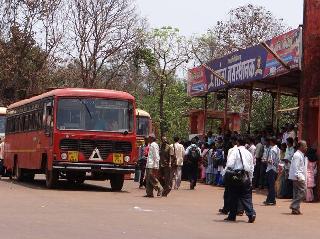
(73, 156)
(118, 158)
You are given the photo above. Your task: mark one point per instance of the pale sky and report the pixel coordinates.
(196, 16)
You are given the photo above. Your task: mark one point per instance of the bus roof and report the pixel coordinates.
(77, 92)
(3, 110)
(142, 113)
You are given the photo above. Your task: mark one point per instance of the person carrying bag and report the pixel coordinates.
(238, 176)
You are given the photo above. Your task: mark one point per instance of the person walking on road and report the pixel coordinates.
(152, 169)
(193, 154)
(241, 159)
(297, 174)
(226, 195)
(143, 155)
(272, 169)
(165, 178)
(176, 167)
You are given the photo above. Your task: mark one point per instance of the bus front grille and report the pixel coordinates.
(86, 146)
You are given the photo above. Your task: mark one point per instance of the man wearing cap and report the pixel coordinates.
(152, 169)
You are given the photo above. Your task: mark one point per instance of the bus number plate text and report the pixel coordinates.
(118, 158)
(73, 156)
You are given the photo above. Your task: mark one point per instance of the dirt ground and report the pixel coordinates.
(93, 211)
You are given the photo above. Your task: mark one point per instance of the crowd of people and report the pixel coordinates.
(283, 163)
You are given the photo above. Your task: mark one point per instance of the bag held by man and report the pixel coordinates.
(237, 178)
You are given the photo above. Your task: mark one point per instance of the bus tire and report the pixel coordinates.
(116, 182)
(52, 177)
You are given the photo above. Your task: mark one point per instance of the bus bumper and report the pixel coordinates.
(93, 167)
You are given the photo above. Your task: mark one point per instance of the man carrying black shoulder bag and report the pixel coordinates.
(238, 177)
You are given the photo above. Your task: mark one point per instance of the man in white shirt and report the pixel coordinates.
(252, 149)
(152, 169)
(241, 159)
(272, 169)
(179, 152)
(297, 174)
(226, 194)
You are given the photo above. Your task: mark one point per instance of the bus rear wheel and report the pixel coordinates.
(116, 182)
(52, 177)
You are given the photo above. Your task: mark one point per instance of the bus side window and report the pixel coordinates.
(48, 117)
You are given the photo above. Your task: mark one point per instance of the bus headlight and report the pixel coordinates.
(64, 156)
(127, 159)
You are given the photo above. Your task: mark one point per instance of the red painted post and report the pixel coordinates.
(310, 83)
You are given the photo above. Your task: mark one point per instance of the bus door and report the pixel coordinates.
(47, 139)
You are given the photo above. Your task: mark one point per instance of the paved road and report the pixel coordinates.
(93, 211)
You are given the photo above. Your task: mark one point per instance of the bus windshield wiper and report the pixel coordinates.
(85, 105)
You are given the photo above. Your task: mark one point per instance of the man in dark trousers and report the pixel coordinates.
(241, 159)
(193, 154)
(143, 155)
(226, 195)
(165, 179)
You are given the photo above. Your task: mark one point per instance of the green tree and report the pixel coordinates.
(164, 52)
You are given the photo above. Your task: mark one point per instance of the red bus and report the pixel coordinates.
(76, 134)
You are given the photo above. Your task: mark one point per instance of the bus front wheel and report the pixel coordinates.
(52, 177)
(116, 182)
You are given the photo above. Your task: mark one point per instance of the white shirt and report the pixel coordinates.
(274, 158)
(153, 156)
(292, 134)
(284, 137)
(298, 167)
(231, 150)
(180, 152)
(252, 150)
(288, 155)
(193, 145)
(234, 160)
(2, 150)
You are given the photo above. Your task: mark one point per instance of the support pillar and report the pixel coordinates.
(278, 101)
(250, 111)
(205, 114)
(272, 110)
(225, 117)
(310, 83)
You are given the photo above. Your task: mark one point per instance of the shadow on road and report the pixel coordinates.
(223, 221)
(63, 185)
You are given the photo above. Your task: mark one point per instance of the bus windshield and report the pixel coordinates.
(92, 114)
(143, 125)
(2, 124)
